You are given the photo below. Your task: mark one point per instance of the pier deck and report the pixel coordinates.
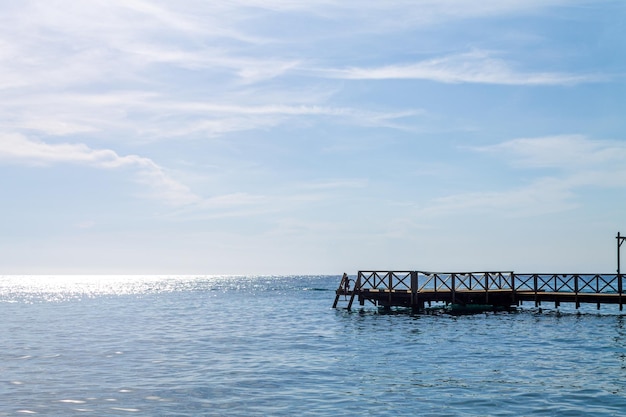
(498, 289)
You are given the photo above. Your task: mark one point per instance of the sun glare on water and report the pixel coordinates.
(14, 288)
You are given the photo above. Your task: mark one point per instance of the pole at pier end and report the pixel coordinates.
(620, 240)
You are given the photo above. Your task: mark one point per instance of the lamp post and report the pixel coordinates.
(620, 240)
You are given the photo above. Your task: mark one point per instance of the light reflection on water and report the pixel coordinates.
(20, 288)
(241, 346)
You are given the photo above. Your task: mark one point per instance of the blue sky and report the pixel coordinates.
(281, 137)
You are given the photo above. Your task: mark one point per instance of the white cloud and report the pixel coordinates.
(472, 67)
(158, 116)
(232, 200)
(548, 195)
(68, 67)
(393, 15)
(336, 184)
(87, 224)
(567, 152)
(578, 162)
(64, 43)
(16, 148)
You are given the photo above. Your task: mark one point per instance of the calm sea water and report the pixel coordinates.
(272, 346)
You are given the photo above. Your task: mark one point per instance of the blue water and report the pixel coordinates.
(272, 346)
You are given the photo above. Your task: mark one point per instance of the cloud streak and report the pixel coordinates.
(545, 196)
(566, 152)
(577, 161)
(472, 67)
(18, 149)
(109, 65)
(159, 116)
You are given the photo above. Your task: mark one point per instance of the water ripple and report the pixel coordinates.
(257, 346)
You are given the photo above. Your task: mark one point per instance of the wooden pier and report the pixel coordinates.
(498, 289)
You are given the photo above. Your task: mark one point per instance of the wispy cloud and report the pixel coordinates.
(110, 65)
(577, 162)
(336, 184)
(159, 115)
(472, 67)
(271, 204)
(18, 149)
(566, 152)
(548, 195)
(48, 45)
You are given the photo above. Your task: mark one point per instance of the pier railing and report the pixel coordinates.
(486, 281)
(492, 287)
(496, 288)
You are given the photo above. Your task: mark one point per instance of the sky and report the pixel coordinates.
(311, 137)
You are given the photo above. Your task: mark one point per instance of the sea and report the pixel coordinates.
(273, 346)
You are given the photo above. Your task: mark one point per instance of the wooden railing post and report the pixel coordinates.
(486, 287)
(619, 290)
(576, 291)
(535, 284)
(453, 287)
(414, 286)
(513, 296)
